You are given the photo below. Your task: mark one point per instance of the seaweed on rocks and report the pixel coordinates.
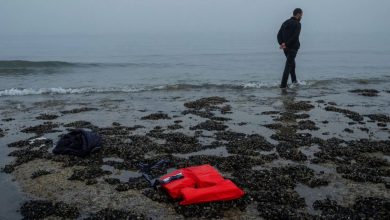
(176, 142)
(213, 210)
(296, 139)
(307, 125)
(366, 92)
(174, 127)
(81, 124)
(47, 117)
(118, 130)
(156, 116)
(107, 213)
(376, 208)
(348, 113)
(47, 127)
(205, 102)
(215, 118)
(203, 114)
(363, 208)
(273, 190)
(348, 130)
(40, 209)
(1, 133)
(299, 106)
(270, 113)
(39, 173)
(133, 183)
(363, 174)
(210, 125)
(379, 117)
(290, 116)
(32, 142)
(331, 210)
(27, 154)
(88, 173)
(229, 135)
(316, 182)
(290, 152)
(7, 119)
(230, 163)
(274, 126)
(78, 110)
(112, 181)
(226, 109)
(157, 195)
(249, 145)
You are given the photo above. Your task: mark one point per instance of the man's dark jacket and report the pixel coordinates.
(289, 33)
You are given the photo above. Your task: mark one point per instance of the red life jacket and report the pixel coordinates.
(201, 184)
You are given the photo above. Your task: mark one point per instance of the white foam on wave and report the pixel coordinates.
(60, 90)
(258, 85)
(40, 91)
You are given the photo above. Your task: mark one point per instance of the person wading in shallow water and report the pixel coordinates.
(288, 39)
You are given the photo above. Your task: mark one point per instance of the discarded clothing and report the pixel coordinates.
(201, 184)
(78, 142)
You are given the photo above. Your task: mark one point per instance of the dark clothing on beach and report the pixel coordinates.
(289, 34)
(78, 142)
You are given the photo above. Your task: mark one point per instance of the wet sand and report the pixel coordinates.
(295, 155)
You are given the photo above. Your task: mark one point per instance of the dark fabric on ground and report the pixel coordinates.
(78, 142)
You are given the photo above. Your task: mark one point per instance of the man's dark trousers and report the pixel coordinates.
(290, 67)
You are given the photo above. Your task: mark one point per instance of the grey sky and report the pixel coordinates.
(166, 16)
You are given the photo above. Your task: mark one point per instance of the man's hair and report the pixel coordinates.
(297, 11)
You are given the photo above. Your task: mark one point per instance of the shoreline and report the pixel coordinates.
(287, 152)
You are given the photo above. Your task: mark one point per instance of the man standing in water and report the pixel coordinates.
(288, 38)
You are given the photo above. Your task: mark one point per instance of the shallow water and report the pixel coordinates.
(127, 83)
